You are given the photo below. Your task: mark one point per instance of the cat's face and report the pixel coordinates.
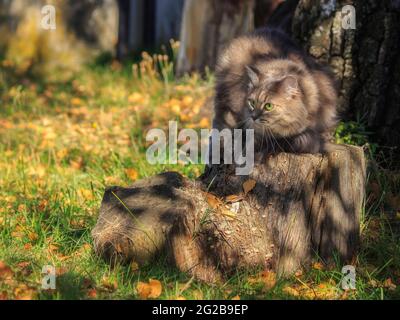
(274, 104)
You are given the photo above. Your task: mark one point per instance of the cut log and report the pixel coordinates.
(300, 207)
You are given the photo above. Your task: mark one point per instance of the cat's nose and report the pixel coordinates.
(256, 113)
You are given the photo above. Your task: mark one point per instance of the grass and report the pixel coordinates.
(62, 142)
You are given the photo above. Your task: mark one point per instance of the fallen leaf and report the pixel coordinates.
(156, 288)
(23, 292)
(92, 293)
(298, 273)
(318, 266)
(143, 290)
(109, 285)
(132, 174)
(234, 198)
(291, 291)
(237, 297)
(267, 278)
(228, 213)
(5, 272)
(248, 185)
(213, 201)
(388, 284)
(33, 236)
(3, 295)
(150, 290)
(134, 266)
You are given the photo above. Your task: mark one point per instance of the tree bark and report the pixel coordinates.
(300, 206)
(364, 59)
(207, 27)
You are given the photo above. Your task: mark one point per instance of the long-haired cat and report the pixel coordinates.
(266, 83)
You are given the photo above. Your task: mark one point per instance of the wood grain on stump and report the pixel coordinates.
(300, 207)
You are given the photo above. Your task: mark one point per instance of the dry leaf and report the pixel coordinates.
(213, 201)
(150, 290)
(248, 185)
(109, 285)
(132, 174)
(33, 236)
(156, 288)
(267, 278)
(23, 292)
(228, 213)
(234, 198)
(134, 266)
(92, 293)
(388, 284)
(5, 272)
(291, 291)
(3, 295)
(143, 290)
(318, 266)
(237, 297)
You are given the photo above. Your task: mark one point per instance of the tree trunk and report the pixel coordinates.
(207, 26)
(299, 206)
(365, 59)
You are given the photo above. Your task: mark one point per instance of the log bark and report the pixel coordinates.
(301, 206)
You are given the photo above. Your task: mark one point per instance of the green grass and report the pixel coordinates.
(61, 143)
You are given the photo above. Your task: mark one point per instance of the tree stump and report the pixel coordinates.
(291, 209)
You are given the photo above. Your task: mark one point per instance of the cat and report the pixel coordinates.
(266, 83)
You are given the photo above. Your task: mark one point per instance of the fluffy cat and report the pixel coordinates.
(266, 83)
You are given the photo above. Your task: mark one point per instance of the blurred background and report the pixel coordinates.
(77, 101)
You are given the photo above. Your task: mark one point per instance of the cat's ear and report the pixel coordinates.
(290, 87)
(253, 76)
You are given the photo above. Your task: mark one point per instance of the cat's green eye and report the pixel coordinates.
(251, 104)
(268, 106)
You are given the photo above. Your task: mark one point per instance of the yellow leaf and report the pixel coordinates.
(5, 272)
(204, 123)
(291, 291)
(237, 297)
(132, 174)
(234, 198)
(151, 290)
(86, 194)
(134, 266)
(23, 292)
(248, 185)
(318, 266)
(213, 201)
(156, 288)
(92, 293)
(76, 101)
(187, 101)
(389, 284)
